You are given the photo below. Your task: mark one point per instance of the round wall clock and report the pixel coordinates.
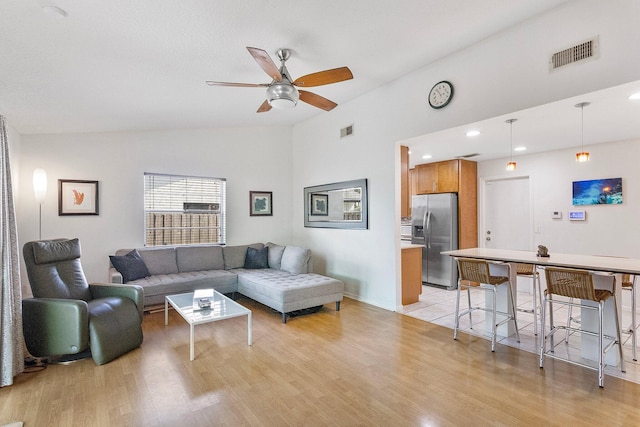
(440, 94)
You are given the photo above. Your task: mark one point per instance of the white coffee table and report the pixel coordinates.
(221, 308)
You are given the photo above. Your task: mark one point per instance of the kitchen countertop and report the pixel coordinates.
(404, 244)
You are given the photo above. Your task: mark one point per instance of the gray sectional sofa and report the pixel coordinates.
(277, 276)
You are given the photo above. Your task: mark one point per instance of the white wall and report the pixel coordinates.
(504, 73)
(609, 229)
(250, 159)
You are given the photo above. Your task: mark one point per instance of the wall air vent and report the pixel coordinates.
(580, 52)
(467, 156)
(346, 131)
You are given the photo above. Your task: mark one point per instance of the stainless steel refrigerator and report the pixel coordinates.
(434, 225)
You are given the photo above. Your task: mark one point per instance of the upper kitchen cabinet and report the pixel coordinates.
(438, 177)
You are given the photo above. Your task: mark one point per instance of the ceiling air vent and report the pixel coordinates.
(467, 156)
(577, 53)
(346, 131)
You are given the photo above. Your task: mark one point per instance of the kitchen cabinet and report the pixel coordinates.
(411, 274)
(438, 177)
(412, 185)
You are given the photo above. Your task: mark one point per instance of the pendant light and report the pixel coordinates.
(582, 156)
(511, 166)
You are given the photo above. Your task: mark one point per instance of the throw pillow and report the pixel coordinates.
(257, 258)
(295, 259)
(275, 255)
(131, 266)
(234, 256)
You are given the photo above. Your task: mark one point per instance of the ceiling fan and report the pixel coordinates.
(282, 91)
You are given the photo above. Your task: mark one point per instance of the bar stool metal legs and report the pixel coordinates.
(578, 285)
(529, 270)
(473, 270)
(629, 284)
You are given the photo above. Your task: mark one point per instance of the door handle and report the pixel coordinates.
(428, 227)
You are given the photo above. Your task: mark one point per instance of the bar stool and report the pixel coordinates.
(629, 284)
(578, 284)
(475, 270)
(529, 270)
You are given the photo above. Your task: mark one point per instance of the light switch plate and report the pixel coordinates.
(556, 215)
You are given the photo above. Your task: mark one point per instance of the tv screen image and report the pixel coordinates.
(597, 192)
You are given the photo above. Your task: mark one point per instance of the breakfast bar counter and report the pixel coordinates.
(605, 264)
(586, 262)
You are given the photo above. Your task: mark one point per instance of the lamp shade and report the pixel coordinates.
(40, 185)
(582, 156)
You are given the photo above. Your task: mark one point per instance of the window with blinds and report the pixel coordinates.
(183, 210)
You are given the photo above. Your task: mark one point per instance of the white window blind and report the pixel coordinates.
(182, 210)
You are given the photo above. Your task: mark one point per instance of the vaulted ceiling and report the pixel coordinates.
(140, 65)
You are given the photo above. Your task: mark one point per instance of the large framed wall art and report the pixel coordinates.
(606, 191)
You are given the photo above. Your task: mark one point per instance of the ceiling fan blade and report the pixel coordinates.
(324, 77)
(265, 62)
(317, 100)
(212, 83)
(264, 107)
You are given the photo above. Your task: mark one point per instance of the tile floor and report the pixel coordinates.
(437, 305)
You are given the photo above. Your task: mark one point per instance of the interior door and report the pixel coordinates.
(507, 214)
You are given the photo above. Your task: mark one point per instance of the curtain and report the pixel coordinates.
(11, 340)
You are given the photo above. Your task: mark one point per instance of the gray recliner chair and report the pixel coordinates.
(67, 315)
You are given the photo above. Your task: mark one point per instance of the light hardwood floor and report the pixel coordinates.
(361, 366)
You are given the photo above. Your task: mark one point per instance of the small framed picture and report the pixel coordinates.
(320, 204)
(260, 203)
(76, 197)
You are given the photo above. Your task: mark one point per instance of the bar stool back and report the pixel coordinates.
(577, 285)
(475, 270)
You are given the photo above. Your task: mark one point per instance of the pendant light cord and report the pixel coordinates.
(511, 140)
(582, 127)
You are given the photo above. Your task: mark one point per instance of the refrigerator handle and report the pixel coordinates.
(427, 226)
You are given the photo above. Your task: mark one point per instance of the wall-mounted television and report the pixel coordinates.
(597, 192)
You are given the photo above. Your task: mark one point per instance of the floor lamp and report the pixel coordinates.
(40, 191)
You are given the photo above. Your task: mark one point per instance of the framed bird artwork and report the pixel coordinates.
(77, 197)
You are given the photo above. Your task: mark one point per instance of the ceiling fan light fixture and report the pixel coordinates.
(282, 95)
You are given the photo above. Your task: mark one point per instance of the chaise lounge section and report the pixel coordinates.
(277, 276)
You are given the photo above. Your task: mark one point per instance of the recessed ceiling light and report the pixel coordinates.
(520, 148)
(54, 11)
(427, 156)
(473, 133)
(635, 96)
